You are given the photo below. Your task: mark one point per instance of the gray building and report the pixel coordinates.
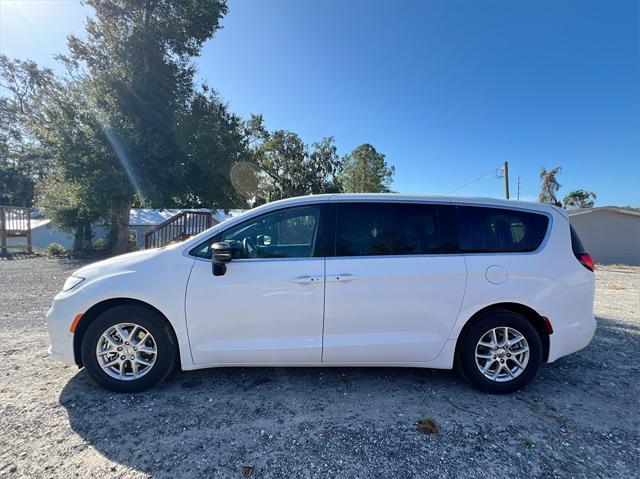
(609, 233)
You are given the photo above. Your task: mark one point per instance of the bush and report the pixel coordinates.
(56, 250)
(97, 244)
(132, 245)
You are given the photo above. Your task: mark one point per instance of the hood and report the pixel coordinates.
(124, 262)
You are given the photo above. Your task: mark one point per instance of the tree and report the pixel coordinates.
(579, 199)
(324, 167)
(22, 162)
(550, 186)
(62, 202)
(213, 141)
(86, 183)
(281, 160)
(288, 167)
(365, 170)
(132, 76)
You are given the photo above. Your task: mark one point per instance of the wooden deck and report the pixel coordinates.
(178, 227)
(15, 222)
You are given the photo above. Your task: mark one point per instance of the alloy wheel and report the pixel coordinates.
(502, 354)
(126, 351)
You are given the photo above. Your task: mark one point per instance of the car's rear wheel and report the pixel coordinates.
(128, 348)
(500, 352)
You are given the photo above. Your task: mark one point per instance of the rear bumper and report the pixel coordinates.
(572, 337)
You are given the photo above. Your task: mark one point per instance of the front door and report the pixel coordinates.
(395, 285)
(268, 306)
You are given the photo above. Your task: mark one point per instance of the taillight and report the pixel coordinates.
(586, 260)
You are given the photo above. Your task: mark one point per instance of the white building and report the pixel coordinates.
(44, 232)
(609, 233)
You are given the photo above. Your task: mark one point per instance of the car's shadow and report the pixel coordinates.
(214, 422)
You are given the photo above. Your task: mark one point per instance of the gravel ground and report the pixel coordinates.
(580, 418)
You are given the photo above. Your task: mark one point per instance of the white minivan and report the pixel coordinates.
(490, 287)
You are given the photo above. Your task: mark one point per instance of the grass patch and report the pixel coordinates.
(428, 425)
(527, 442)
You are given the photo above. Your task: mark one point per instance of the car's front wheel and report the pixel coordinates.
(500, 353)
(128, 348)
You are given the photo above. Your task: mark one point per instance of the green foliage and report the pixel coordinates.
(324, 167)
(63, 201)
(98, 244)
(549, 186)
(22, 162)
(56, 250)
(134, 67)
(126, 126)
(365, 170)
(549, 192)
(288, 167)
(136, 56)
(579, 199)
(132, 245)
(16, 181)
(212, 141)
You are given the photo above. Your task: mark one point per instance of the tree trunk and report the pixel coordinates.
(77, 239)
(87, 240)
(82, 237)
(119, 228)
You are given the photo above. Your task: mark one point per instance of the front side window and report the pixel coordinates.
(287, 233)
(497, 230)
(373, 229)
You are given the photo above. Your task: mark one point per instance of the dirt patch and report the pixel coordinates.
(579, 418)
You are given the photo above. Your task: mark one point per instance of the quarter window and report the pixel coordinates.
(372, 229)
(497, 230)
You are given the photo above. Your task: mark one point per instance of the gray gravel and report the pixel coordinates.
(580, 418)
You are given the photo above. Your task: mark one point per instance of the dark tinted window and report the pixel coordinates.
(287, 233)
(371, 229)
(576, 244)
(496, 230)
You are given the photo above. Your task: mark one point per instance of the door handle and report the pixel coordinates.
(306, 279)
(341, 278)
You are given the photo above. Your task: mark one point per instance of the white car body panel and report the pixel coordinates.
(255, 313)
(390, 315)
(157, 277)
(391, 308)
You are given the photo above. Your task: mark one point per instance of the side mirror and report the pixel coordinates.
(264, 240)
(220, 255)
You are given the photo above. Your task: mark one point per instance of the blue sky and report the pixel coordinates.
(448, 90)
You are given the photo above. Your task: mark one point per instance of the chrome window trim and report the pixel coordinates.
(337, 200)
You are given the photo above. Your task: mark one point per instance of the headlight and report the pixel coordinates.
(72, 282)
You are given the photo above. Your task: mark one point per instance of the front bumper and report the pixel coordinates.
(59, 319)
(573, 337)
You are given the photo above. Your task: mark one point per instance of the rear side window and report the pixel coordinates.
(497, 230)
(374, 229)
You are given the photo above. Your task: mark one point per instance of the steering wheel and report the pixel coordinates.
(248, 247)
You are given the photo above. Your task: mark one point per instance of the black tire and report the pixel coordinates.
(466, 353)
(155, 324)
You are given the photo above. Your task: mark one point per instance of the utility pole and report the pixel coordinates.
(518, 188)
(506, 179)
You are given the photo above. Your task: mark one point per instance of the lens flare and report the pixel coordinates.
(244, 178)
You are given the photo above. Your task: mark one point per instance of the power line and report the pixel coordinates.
(494, 170)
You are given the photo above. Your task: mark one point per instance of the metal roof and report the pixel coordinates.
(616, 209)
